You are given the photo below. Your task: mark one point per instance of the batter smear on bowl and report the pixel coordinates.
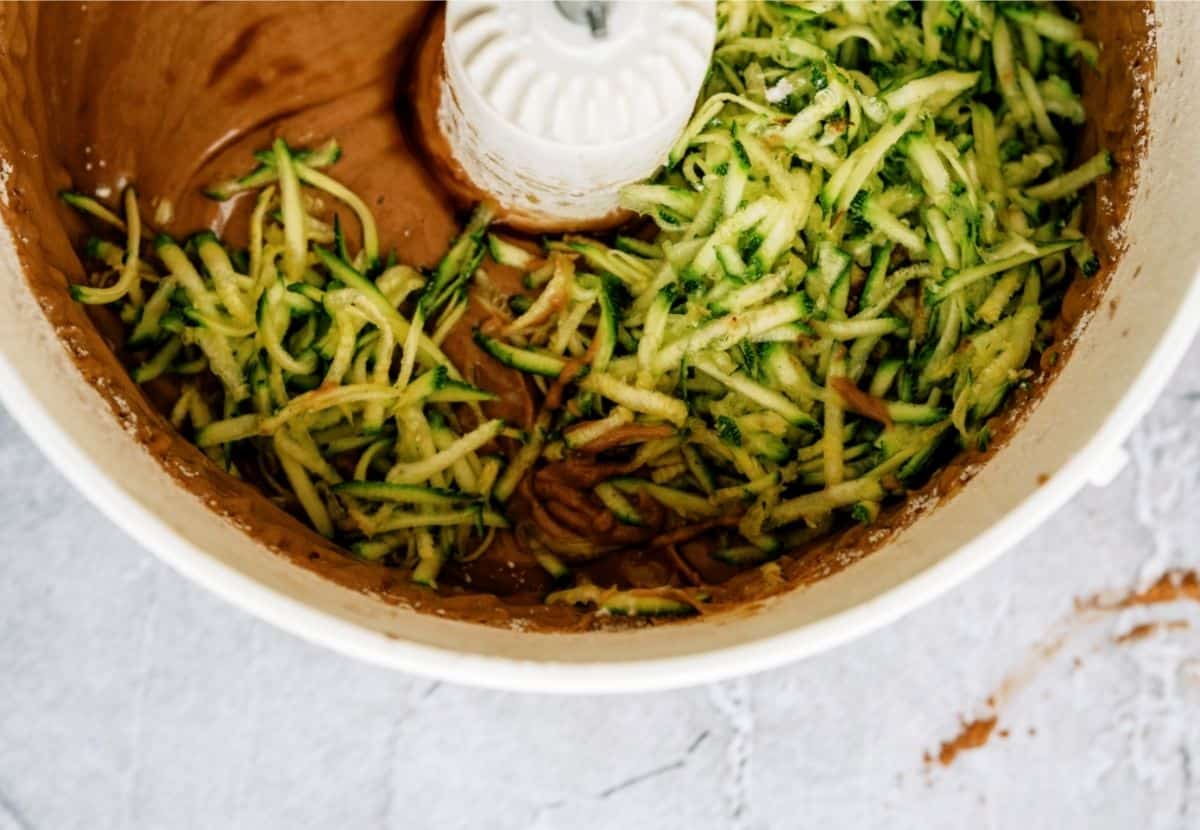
(852, 257)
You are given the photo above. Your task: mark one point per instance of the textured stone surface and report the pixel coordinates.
(130, 698)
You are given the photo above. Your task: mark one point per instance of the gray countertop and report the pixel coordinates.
(131, 698)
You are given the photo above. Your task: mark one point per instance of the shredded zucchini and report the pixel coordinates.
(846, 262)
(844, 235)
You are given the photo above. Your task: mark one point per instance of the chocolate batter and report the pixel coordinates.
(175, 96)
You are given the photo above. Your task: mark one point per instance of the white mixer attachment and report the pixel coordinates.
(550, 108)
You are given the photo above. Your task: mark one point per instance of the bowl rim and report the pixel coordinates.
(603, 676)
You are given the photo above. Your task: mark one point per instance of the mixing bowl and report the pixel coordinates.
(91, 422)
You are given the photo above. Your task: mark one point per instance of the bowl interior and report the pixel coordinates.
(57, 378)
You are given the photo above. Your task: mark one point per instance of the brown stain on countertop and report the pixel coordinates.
(1144, 630)
(1172, 586)
(178, 100)
(972, 736)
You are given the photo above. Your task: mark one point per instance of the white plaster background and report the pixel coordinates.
(130, 698)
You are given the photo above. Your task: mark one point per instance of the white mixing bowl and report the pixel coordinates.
(1120, 363)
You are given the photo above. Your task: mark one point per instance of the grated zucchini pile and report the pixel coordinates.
(326, 393)
(840, 272)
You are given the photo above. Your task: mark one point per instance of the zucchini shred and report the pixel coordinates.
(852, 255)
